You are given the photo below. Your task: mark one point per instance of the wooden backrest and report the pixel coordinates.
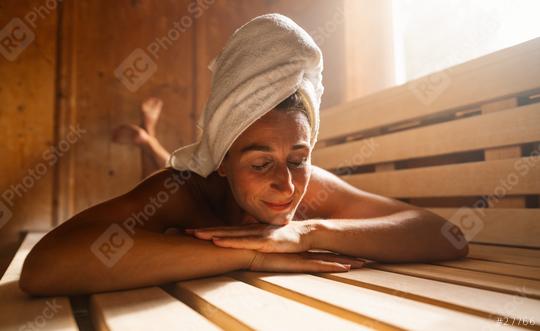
(463, 142)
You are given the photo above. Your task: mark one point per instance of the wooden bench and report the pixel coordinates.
(444, 142)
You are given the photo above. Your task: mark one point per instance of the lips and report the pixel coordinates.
(280, 206)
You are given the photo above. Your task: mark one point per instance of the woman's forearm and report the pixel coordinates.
(401, 237)
(72, 264)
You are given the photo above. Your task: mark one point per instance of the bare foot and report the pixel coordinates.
(151, 108)
(130, 134)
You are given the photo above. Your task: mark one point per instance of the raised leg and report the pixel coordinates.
(154, 155)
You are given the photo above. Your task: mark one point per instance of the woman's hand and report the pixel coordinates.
(290, 238)
(303, 262)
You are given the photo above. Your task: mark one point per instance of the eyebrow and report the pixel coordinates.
(266, 148)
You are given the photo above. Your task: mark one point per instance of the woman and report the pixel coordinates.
(245, 195)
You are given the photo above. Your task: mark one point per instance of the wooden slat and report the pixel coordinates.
(14, 269)
(389, 166)
(505, 152)
(470, 83)
(473, 178)
(499, 268)
(144, 309)
(518, 201)
(511, 251)
(506, 284)
(515, 126)
(234, 305)
(513, 226)
(499, 105)
(530, 257)
(499, 153)
(22, 312)
(469, 299)
(327, 294)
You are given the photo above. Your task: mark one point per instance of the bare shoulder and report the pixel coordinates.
(329, 196)
(174, 198)
(319, 200)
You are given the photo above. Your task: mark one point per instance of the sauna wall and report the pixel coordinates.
(27, 103)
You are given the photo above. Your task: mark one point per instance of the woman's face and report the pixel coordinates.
(269, 165)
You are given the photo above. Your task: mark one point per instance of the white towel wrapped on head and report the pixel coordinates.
(264, 62)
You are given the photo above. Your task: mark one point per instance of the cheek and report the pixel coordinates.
(248, 186)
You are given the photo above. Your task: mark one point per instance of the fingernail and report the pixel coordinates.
(347, 266)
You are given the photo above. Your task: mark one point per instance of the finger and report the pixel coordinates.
(355, 264)
(353, 261)
(249, 242)
(228, 232)
(325, 266)
(218, 228)
(324, 255)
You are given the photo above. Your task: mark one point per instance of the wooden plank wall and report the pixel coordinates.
(27, 85)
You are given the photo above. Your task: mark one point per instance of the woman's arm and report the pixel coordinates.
(408, 236)
(120, 244)
(65, 264)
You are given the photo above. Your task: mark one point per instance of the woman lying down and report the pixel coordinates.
(244, 196)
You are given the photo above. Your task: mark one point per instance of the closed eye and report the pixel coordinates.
(294, 164)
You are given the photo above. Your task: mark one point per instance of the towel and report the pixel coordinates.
(263, 62)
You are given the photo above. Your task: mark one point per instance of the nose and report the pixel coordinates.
(282, 180)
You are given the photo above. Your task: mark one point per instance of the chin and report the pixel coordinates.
(266, 215)
(280, 218)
